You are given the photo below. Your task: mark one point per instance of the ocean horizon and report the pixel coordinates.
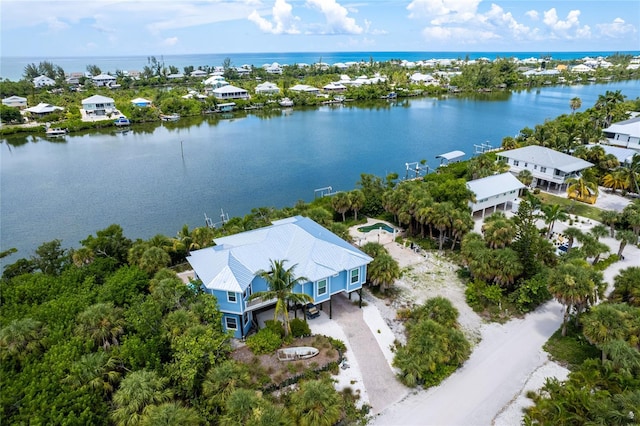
(12, 67)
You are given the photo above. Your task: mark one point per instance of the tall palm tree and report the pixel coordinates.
(553, 213)
(223, 379)
(616, 179)
(357, 201)
(627, 286)
(625, 237)
(461, 223)
(316, 403)
(442, 220)
(581, 188)
(103, 323)
(498, 230)
(572, 233)
(506, 267)
(575, 103)
(605, 323)
(526, 177)
(21, 338)
(170, 414)
(341, 202)
(610, 218)
(98, 371)
(281, 282)
(138, 390)
(383, 271)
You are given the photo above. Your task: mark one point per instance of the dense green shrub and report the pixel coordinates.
(531, 293)
(299, 327)
(481, 295)
(264, 341)
(275, 326)
(605, 263)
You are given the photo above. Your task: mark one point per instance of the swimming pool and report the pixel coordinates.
(376, 226)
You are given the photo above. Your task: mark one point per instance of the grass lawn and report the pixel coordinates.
(571, 206)
(572, 350)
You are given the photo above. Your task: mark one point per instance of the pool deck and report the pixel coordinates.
(380, 236)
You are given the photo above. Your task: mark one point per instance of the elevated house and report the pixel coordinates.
(334, 87)
(625, 134)
(98, 105)
(494, 191)
(198, 73)
(103, 80)
(549, 168)
(267, 88)
(230, 270)
(15, 102)
(43, 109)
(43, 81)
(305, 88)
(141, 102)
(230, 92)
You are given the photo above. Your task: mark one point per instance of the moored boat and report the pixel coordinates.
(285, 102)
(56, 131)
(122, 121)
(170, 117)
(297, 353)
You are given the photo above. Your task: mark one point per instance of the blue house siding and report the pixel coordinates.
(227, 305)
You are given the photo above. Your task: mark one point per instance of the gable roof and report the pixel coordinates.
(43, 108)
(493, 185)
(630, 127)
(317, 253)
(229, 89)
(547, 157)
(15, 98)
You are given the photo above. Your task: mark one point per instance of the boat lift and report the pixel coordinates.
(482, 148)
(416, 167)
(224, 218)
(324, 192)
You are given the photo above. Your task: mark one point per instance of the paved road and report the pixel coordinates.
(497, 369)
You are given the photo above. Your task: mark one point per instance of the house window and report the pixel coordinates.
(247, 292)
(322, 287)
(355, 276)
(516, 163)
(535, 167)
(231, 323)
(526, 164)
(231, 297)
(543, 169)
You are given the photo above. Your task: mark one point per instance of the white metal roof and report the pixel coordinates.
(453, 155)
(43, 108)
(229, 89)
(232, 264)
(547, 157)
(630, 127)
(97, 99)
(491, 186)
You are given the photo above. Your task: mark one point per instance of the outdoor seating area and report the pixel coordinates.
(312, 311)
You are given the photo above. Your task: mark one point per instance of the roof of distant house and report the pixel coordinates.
(317, 253)
(97, 99)
(494, 185)
(547, 157)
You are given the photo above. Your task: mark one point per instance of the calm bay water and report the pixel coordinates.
(156, 178)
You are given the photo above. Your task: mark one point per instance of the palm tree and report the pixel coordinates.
(103, 323)
(137, 392)
(383, 271)
(498, 230)
(316, 403)
(627, 286)
(617, 179)
(591, 247)
(552, 213)
(605, 323)
(461, 223)
(222, 380)
(442, 220)
(240, 407)
(625, 237)
(170, 414)
(631, 214)
(97, 371)
(575, 103)
(341, 202)
(357, 201)
(21, 338)
(581, 188)
(610, 218)
(572, 233)
(506, 267)
(526, 177)
(281, 282)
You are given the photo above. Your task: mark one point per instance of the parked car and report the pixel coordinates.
(312, 311)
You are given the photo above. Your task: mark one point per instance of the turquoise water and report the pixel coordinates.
(13, 67)
(157, 177)
(375, 226)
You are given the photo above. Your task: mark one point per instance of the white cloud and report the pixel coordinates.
(569, 28)
(464, 35)
(533, 14)
(283, 19)
(56, 24)
(443, 10)
(616, 29)
(170, 41)
(337, 18)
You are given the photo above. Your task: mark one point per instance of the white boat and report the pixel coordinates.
(56, 131)
(122, 121)
(285, 102)
(170, 117)
(297, 353)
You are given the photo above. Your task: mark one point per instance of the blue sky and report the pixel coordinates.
(152, 27)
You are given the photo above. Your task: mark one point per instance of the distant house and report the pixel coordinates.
(420, 78)
(625, 133)
(267, 88)
(43, 81)
(547, 166)
(198, 73)
(98, 105)
(141, 102)
(581, 68)
(274, 68)
(215, 81)
(43, 109)
(103, 80)
(334, 88)
(230, 92)
(230, 269)
(15, 102)
(493, 191)
(305, 88)
(175, 76)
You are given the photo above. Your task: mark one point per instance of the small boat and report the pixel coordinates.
(285, 102)
(56, 131)
(122, 121)
(297, 353)
(170, 117)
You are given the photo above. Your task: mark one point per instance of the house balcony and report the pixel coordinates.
(258, 303)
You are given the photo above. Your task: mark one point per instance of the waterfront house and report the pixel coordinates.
(198, 73)
(15, 102)
(215, 81)
(548, 167)
(43, 81)
(141, 102)
(98, 105)
(305, 88)
(334, 87)
(230, 92)
(493, 191)
(230, 269)
(267, 88)
(103, 80)
(625, 133)
(43, 109)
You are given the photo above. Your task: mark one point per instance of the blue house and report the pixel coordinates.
(229, 270)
